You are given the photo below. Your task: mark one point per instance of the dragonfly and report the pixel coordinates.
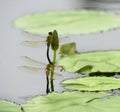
(35, 40)
(52, 40)
(40, 66)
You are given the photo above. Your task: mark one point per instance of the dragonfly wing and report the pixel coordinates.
(39, 70)
(33, 61)
(33, 69)
(35, 44)
(64, 39)
(58, 75)
(34, 36)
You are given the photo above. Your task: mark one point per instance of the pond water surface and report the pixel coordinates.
(15, 82)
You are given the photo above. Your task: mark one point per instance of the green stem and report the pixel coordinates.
(22, 109)
(52, 85)
(54, 57)
(47, 86)
(51, 79)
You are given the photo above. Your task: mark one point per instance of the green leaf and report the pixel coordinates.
(6, 106)
(92, 62)
(68, 49)
(92, 83)
(110, 104)
(64, 102)
(70, 22)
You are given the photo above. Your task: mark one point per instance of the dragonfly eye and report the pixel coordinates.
(50, 33)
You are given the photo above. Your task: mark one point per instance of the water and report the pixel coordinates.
(15, 82)
(101, 4)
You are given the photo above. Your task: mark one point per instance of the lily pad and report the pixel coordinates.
(92, 62)
(6, 106)
(92, 83)
(110, 104)
(68, 22)
(64, 102)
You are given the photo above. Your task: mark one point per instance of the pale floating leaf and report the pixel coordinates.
(68, 22)
(110, 104)
(92, 83)
(6, 106)
(92, 62)
(64, 102)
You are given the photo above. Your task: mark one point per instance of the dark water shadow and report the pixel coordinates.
(103, 74)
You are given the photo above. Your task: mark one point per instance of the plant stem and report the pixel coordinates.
(52, 85)
(22, 109)
(47, 86)
(51, 78)
(54, 57)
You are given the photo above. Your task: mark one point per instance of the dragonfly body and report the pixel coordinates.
(52, 42)
(39, 40)
(49, 41)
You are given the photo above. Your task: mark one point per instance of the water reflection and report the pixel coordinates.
(51, 71)
(49, 78)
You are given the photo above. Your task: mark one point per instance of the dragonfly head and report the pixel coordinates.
(49, 39)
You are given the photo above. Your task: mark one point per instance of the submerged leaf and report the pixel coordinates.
(6, 106)
(64, 102)
(92, 62)
(71, 22)
(92, 83)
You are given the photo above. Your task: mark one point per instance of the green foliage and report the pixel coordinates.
(69, 22)
(64, 102)
(9, 107)
(92, 83)
(110, 104)
(91, 62)
(55, 41)
(68, 49)
(67, 102)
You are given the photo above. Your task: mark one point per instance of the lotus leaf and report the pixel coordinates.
(92, 83)
(110, 104)
(92, 62)
(68, 22)
(6, 106)
(65, 102)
